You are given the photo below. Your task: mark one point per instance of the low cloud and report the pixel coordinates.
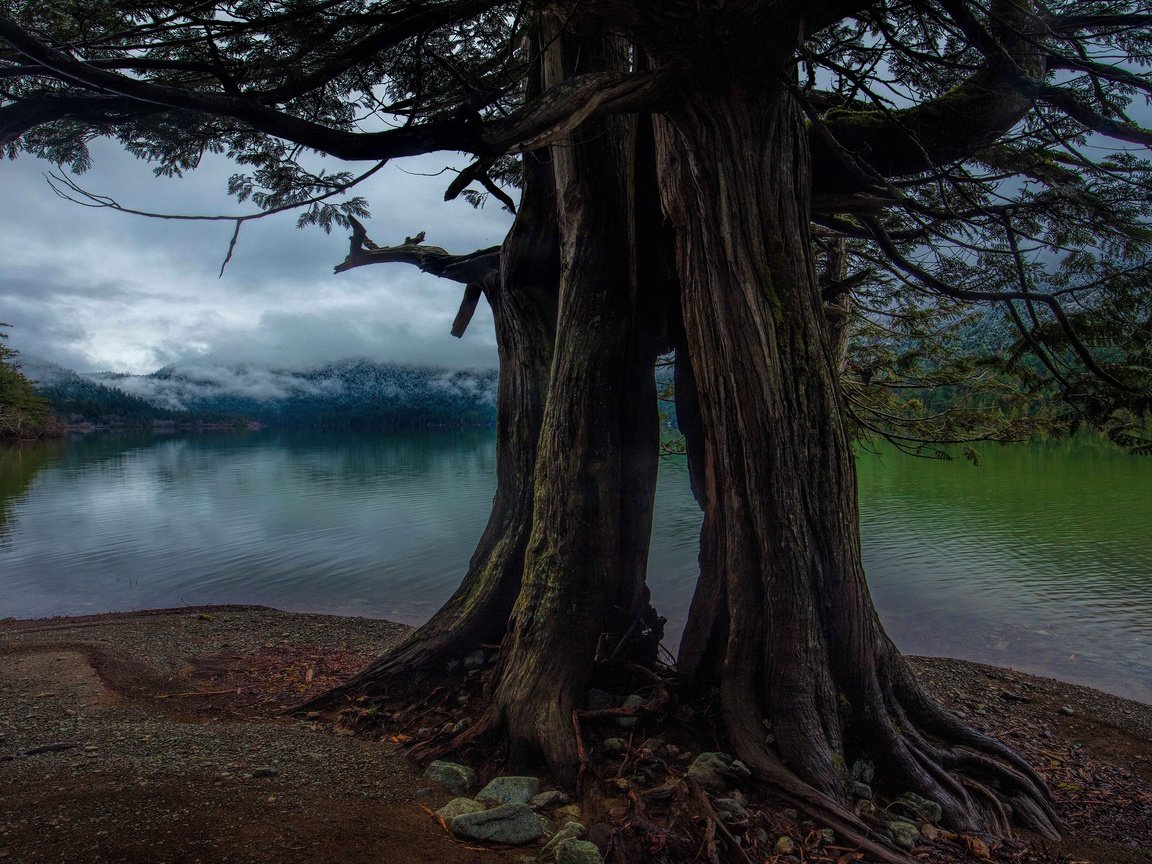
(99, 290)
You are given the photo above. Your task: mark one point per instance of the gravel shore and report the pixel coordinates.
(157, 737)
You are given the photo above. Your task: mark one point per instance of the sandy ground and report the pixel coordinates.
(155, 737)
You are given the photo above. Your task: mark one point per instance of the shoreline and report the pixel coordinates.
(211, 681)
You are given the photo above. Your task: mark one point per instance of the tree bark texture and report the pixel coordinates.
(805, 659)
(583, 586)
(523, 297)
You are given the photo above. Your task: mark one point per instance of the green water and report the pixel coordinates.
(1039, 559)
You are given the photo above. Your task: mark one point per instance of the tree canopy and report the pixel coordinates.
(753, 185)
(23, 413)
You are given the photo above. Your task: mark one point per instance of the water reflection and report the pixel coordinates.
(1040, 559)
(20, 462)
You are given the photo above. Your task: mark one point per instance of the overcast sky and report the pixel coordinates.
(93, 289)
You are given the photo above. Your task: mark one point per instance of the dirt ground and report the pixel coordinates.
(155, 737)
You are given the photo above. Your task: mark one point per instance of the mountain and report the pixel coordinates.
(346, 394)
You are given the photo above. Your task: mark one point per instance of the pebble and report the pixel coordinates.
(571, 831)
(615, 745)
(457, 806)
(710, 770)
(509, 790)
(514, 824)
(1067, 710)
(264, 772)
(633, 701)
(457, 779)
(578, 852)
(551, 798)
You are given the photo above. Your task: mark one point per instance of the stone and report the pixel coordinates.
(423, 792)
(731, 811)
(863, 771)
(599, 700)
(457, 779)
(615, 746)
(578, 852)
(509, 790)
(457, 806)
(571, 812)
(633, 701)
(904, 834)
(513, 824)
(264, 772)
(549, 799)
(1067, 710)
(785, 846)
(860, 790)
(929, 832)
(710, 770)
(571, 831)
(740, 769)
(923, 808)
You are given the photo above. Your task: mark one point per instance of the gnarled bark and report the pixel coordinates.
(583, 586)
(803, 652)
(523, 296)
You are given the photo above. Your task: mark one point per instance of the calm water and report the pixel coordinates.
(1039, 559)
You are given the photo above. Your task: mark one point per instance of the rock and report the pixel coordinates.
(860, 790)
(569, 812)
(740, 769)
(1013, 696)
(785, 846)
(509, 790)
(457, 806)
(457, 779)
(863, 771)
(513, 824)
(1067, 710)
(549, 799)
(904, 834)
(710, 770)
(423, 792)
(633, 701)
(578, 852)
(598, 700)
(731, 811)
(739, 797)
(264, 772)
(921, 807)
(929, 832)
(615, 745)
(571, 831)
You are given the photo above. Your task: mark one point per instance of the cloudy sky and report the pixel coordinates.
(93, 289)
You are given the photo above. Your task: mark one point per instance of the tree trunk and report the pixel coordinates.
(803, 651)
(583, 586)
(523, 300)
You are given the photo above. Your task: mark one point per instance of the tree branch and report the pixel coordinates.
(946, 129)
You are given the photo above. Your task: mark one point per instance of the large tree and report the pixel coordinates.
(733, 180)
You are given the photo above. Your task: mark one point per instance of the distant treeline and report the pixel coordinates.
(349, 395)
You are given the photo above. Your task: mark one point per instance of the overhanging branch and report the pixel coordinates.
(477, 270)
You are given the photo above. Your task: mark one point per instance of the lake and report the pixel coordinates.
(1039, 559)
